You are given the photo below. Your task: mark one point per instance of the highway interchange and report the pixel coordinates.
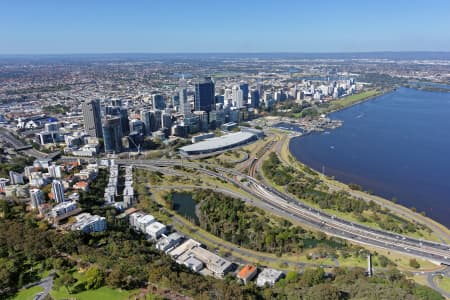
(300, 212)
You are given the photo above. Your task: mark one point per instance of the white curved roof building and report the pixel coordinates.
(217, 144)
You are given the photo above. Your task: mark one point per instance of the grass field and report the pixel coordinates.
(443, 283)
(349, 100)
(101, 293)
(28, 293)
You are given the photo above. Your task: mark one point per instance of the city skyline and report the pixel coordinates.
(51, 27)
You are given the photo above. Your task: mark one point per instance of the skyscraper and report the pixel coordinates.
(112, 135)
(124, 121)
(255, 98)
(166, 120)
(58, 191)
(137, 126)
(145, 118)
(185, 106)
(92, 118)
(116, 102)
(238, 96)
(244, 87)
(152, 120)
(158, 101)
(204, 95)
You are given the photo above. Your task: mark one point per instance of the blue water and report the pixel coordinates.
(288, 126)
(397, 145)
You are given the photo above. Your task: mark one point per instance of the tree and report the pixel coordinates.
(313, 277)
(64, 279)
(323, 292)
(414, 263)
(94, 278)
(9, 274)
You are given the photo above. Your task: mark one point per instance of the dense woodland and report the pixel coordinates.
(309, 188)
(120, 258)
(250, 227)
(16, 164)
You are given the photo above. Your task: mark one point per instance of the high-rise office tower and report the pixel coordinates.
(37, 198)
(155, 120)
(145, 118)
(158, 101)
(58, 191)
(244, 87)
(124, 121)
(92, 118)
(112, 135)
(112, 110)
(166, 120)
(204, 95)
(227, 97)
(116, 102)
(185, 106)
(137, 126)
(204, 120)
(255, 98)
(238, 96)
(152, 120)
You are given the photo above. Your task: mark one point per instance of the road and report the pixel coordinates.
(394, 208)
(228, 246)
(45, 283)
(8, 137)
(274, 200)
(432, 283)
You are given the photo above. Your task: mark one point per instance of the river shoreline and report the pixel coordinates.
(369, 98)
(406, 212)
(379, 194)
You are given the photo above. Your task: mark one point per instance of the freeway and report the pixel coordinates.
(399, 210)
(314, 218)
(432, 283)
(258, 257)
(8, 137)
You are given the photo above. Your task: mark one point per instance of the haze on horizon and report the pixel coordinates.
(63, 27)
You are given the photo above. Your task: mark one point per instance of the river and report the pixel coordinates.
(396, 145)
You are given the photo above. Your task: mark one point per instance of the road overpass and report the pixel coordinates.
(300, 212)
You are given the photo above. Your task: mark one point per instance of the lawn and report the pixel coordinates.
(443, 283)
(28, 293)
(101, 293)
(350, 100)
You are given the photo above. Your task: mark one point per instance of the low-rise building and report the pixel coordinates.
(216, 264)
(167, 243)
(247, 273)
(140, 221)
(155, 229)
(268, 277)
(193, 264)
(87, 223)
(81, 185)
(183, 248)
(63, 208)
(3, 183)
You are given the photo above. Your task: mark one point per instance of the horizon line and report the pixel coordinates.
(226, 52)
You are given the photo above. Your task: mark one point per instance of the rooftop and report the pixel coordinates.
(218, 143)
(246, 271)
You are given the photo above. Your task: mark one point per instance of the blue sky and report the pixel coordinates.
(97, 26)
